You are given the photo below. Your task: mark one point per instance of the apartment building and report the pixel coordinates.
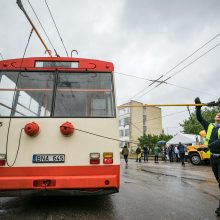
(137, 121)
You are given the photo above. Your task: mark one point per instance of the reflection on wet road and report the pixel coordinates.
(148, 191)
(57, 208)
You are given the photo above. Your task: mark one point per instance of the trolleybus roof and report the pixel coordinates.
(71, 64)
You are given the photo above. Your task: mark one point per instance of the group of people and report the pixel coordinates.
(172, 152)
(142, 152)
(175, 153)
(139, 152)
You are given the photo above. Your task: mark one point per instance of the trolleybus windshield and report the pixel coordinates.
(56, 94)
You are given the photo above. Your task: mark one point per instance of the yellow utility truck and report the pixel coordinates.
(198, 154)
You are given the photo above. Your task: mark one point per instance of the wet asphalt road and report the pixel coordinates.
(148, 191)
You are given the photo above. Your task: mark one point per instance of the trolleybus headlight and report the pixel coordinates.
(94, 158)
(108, 158)
(2, 159)
(32, 129)
(67, 128)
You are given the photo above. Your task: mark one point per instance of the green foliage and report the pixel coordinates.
(192, 126)
(151, 140)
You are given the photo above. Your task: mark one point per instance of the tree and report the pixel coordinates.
(151, 140)
(192, 126)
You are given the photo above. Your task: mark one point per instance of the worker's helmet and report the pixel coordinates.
(202, 133)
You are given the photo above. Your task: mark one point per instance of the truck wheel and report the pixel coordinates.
(195, 159)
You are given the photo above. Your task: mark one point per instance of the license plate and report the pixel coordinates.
(48, 158)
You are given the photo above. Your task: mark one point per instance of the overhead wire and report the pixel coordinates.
(136, 127)
(43, 29)
(171, 114)
(114, 139)
(138, 77)
(102, 136)
(172, 84)
(20, 5)
(13, 103)
(180, 70)
(56, 28)
(190, 89)
(174, 113)
(178, 64)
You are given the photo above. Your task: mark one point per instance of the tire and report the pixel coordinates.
(195, 159)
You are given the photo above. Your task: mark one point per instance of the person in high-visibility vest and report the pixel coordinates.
(212, 141)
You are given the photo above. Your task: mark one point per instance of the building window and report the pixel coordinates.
(121, 133)
(126, 121)
(120, 112)
(124, 111)
(126, 132)
(121, 122)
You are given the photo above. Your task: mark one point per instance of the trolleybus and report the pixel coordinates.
(57, 125)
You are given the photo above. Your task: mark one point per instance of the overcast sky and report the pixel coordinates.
(142, 38)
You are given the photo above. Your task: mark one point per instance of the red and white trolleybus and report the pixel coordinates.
(54, 116)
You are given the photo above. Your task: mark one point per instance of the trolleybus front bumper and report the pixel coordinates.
(87, 180)
(69, 192)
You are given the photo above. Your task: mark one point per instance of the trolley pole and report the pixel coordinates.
(20, 5)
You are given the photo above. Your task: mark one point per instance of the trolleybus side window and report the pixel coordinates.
(6, 94)
(84, 95)
(33, 96)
